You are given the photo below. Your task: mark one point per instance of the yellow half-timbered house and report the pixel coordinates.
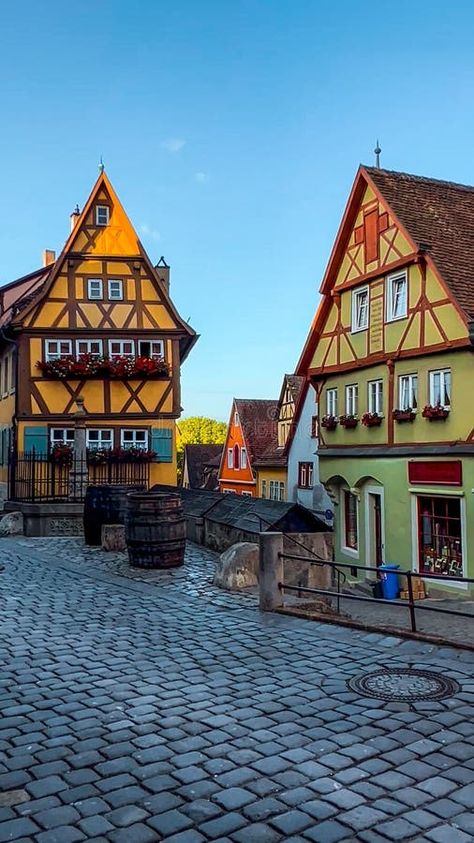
(96, 323)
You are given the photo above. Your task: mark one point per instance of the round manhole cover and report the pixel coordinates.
(404, 685)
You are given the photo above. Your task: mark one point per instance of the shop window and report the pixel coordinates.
(440, 548)
(351, 538)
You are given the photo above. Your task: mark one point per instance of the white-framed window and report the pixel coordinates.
(360, 309)
(118, 348)
(115, 289)
(352, 399)
(130, 438)
(54, 349)
(12, 372)
(151, 348)
(396, 290)
(236, 419)
(243, 457)
(247, 494)
(230, 458)
(277, 490)
(102, 214)
(408, 392)
(331, 402)
(305, 475)
(440, 388)
(264, 488)
(95, 289)
(62, 436)
(375, 397)
(99, 439)
(93, 347)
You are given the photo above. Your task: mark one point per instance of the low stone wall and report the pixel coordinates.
(50, 519)
(317, 545)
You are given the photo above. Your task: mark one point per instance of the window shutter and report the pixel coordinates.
(162, 443)
(37, 438)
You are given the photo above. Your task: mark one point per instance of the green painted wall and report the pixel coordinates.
(358, 474)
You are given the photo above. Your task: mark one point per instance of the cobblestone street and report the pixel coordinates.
(155, 707)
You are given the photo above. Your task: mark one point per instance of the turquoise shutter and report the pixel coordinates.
(37, 438)
(162, 443)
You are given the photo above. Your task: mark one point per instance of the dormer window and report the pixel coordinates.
(102, 214)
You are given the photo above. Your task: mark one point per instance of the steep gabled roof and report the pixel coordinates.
(437, 219)
(197, 458)
(438, 215)
(17, 295)
(26, 301)
(258, 421)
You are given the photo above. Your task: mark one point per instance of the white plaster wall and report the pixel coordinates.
(304, 449)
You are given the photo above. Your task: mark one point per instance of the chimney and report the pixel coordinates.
(49, 256)
(74, 217)
(164, 272)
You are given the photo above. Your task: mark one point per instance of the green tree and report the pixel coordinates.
(198, 430)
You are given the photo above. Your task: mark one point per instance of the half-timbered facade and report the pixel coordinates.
(272, 465)
(390, 355)
(97, 323)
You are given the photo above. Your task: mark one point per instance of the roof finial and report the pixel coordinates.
(377, 151)
(101, 165)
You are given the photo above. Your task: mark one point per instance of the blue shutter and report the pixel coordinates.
(37, 438)
(162, 443)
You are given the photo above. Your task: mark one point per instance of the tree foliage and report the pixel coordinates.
(198, 430)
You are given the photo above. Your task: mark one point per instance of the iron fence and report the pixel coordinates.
(35, 477)
(409, 604)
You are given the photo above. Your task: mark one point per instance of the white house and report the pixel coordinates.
(303, 469)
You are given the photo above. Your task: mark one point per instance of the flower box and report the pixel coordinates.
(349, 422)
(407, 415)
(371, 420)
(92, 366)
(435, 413)
(329, 422)
(63, 455)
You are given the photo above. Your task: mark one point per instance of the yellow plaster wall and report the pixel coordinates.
(279, 474)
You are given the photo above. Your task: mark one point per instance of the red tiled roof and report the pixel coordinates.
(198, 458)
(439, 215)
(258, 420)
(17, 294)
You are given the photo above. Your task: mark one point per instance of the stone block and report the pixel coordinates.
(113, 537)
(237, 567)
(11, 524)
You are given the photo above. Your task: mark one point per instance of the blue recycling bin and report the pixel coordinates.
(390, 587)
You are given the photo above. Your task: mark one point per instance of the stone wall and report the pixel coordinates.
(50, 519)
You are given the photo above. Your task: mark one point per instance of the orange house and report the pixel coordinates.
(252, 428)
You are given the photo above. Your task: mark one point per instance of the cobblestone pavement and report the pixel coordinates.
(137, 710)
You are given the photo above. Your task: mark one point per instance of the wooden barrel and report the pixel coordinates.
(155, 530)
(104, 505)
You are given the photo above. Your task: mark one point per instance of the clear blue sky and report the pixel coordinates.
(232, 130)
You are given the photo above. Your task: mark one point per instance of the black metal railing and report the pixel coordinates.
(409, 604)
(34, 477)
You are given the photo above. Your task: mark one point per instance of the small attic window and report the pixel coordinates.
(102, 214)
